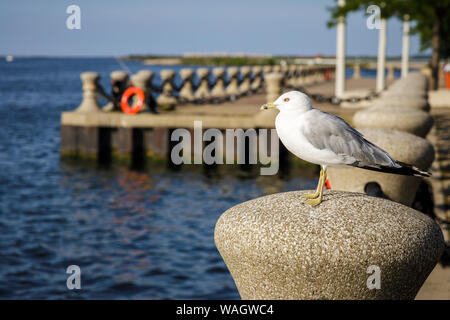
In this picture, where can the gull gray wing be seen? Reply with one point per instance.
(327, 131)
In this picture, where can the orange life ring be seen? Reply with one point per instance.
(126, 96)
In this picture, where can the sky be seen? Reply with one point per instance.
(118, 28)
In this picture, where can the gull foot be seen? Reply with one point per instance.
(310, 195)
(314, 202)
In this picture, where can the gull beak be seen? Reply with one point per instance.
(268, 106)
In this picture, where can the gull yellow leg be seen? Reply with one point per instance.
(315, 194)
(318, 200)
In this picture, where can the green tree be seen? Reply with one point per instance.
(432, 23)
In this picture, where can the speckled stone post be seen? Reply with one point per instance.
(300, 79)
(202, 91)
(277, 247)
(244, 87)
(284, 69)
(218, 91)
(233, 85)
(166, 99)
(186, 92)
(318, 75)
(307, 73)
(143, 79)
(391, 72)
(276, 68)
(292, 80)
(267, 69)
(257, 78)
(411, 120)
(116, 76)
(273, 86)
(402, 146)
(356, 71)
(401, 101)
(89, 102)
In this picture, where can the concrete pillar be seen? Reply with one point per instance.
(273, 86)
(381, 62)
(202, 91)
(405, 46)
(218, 91)
(166, 99)
(186, 93)
(339, 86)
(89, 102)
(119, 79)
(233, 85)
(356, 71)
(244, 87)
(257, 78)
(143, 80)
(351, 246)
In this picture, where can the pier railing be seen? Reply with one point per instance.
(200, 86)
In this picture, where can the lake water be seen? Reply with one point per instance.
(134, 234)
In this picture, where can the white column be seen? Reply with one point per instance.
(339, 86)
(405, 46)
(381, 64)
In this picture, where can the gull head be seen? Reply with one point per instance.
(290, 101)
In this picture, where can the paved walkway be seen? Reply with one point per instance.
(437, 286)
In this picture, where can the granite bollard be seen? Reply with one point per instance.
(391, 72)
(257, 78)
(273, 83)
(277, 247)
(411, 120)
(245, 85)
(267, 69)
(356, 71)
(232, 89)
(186, 92)
(276, 68)
(401, 101)
(218, 91)
(202, 91)
(143, 80)
(300, 79)
(89, 102)
(402, 146)
(166, 99)
(119, 79)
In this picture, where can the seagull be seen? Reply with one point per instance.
(327, 140)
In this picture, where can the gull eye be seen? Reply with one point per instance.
(286, 99)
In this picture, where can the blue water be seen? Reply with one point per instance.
(134, 234)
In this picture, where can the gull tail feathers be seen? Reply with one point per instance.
(402, 169)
